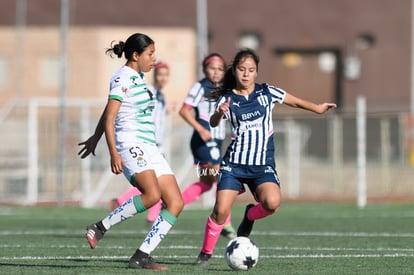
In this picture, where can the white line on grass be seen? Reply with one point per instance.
(290, 256)
(189, 232)
(189, 247)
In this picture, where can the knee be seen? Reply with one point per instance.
(178, 204)
(271, 204)
(152, 197)
(219, 216)
(175, 206)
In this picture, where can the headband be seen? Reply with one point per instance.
(160, 65)
(212, 58)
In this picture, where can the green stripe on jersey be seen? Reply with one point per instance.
(116, 97)
(147, 139)
(141, 115)
(137, 85)
(146, 131)
(146, 122)
(143, 101)
(139, 93)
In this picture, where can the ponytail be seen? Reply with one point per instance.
(137, 42)
(116, 49)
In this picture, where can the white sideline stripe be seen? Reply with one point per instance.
(188, 232)
(291, 256)
(189, 247)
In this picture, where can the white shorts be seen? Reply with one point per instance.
(142, 157)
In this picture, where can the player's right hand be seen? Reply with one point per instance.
(224, 107)
(205, 134)
(89, 147)
(116, 164)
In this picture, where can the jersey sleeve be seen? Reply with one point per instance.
(277, 94)
(118, 87)
(195, 95)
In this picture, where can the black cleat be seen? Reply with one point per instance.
(143, 260)
(93, 235)
(202, 259)
(246, 225)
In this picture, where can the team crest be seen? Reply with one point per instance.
(141, 162)
(215, 153)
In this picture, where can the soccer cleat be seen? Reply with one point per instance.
(93, 235)
(246, 225)
(202, 259)
(228, 232)
(142, 260)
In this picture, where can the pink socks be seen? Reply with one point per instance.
(131, 192)
(193, 191)
(258, 212)
(211, 235)
(154, 211)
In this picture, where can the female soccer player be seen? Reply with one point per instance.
(161, 76)
(249, 159)
(130, 135)
(206, 141)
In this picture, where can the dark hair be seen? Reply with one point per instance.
(229, 81)
(210, 58)
(137, 42)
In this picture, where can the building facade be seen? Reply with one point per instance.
(292, 38)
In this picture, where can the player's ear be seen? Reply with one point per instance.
(135, 56)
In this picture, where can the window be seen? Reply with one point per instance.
(251, 40)
(4, 71)
(50, 76)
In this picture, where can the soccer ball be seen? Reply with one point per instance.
(241, 253)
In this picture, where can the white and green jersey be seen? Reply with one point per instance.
(134, 122)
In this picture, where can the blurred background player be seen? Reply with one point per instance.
(250, 158)
(205, 142)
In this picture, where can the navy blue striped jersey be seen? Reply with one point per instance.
(204, 108)
(252, 126)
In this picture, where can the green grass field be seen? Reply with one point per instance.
(307, 238)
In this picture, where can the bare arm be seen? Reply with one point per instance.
(186, 113)
(296, 102)
(219, 113)
(90, 144)
(112, 109)
(216, 118)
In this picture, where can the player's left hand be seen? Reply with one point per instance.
(325, 107)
